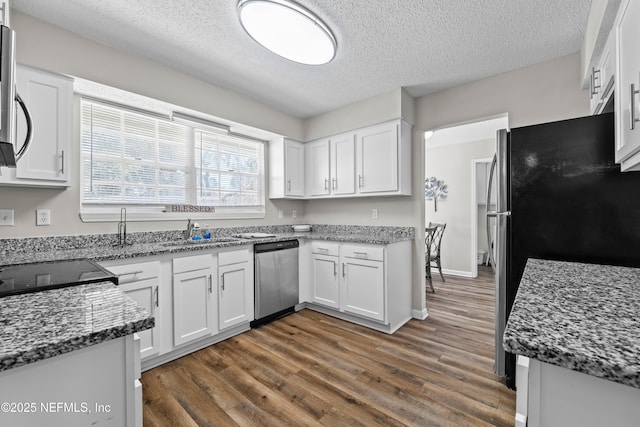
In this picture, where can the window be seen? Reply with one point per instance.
(144, 162)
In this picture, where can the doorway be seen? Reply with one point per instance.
(454, 155)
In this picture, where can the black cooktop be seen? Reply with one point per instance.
(24, 278)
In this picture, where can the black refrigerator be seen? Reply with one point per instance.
(560, 196)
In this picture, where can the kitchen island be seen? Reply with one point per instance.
(579, 325)
(68, 357)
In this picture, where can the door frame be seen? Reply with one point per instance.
(474, 213)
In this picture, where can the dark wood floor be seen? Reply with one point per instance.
(310, 369)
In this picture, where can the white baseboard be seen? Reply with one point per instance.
(454, 272)
(420, 314)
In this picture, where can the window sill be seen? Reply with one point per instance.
(112, 214)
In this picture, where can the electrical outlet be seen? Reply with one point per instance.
(280, 214)
(294, 214)
(6, 216)
(374, 214)
(43, 217)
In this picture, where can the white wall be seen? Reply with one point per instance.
(453, 165)
(45, 46)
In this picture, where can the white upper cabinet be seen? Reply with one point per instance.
(373, 161)
(286, 169)
(602, 77)
(377, 158)
(627, 34)
(49, 98)
(317, 168)
(331, 166)
(343, 165)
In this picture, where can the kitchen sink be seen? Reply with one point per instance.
(201, 242)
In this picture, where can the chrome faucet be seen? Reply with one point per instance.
(122, 228)
(187, 233)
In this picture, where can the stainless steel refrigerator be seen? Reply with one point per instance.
(560, 196)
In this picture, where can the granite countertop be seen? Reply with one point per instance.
(45, 324)
(20, 251)
(583, 317)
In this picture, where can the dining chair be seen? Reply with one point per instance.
(429, 233)
(432, 249)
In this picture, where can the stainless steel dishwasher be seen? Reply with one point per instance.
(276, 280)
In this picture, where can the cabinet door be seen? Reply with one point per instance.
(362, 290)
(294, 166)
(343, 164)
(377, 157)
(146, 293)
(193, 306)
(49, 99)
(318, 173)
(325, 286)
(235, 295)
(628, 81)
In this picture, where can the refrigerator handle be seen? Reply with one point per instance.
(491, 214)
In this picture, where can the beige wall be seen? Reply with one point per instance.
(453, 165)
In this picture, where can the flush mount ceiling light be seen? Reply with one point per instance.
(289, 30)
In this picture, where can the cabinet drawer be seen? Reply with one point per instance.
(325, 248)
(192, 263)
(233, 257)
(374, 253)
(134, 272)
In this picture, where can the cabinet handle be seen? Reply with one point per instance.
(594, 86)
(343, 267)
(210, 284)
(157, 297)
(335, 269)
(222, 279)
(326, 184)
(323, 250)
(334, 185)
(360, 254)
(62, 162)
(632, 107)
(132, 273)
(288, 185)
(360, 181)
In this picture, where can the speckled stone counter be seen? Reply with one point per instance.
(103, 247)
(40, 325)
(583, 317)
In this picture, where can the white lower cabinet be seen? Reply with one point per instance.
(362, 291)
(98, 385)
(325, 281)
(353, 282)
(194, 299)
(141, 282)
(197, 298)
(557, 396)
(235, 288)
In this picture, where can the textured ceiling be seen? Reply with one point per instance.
(422, 45)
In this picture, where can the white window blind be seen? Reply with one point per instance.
(129, 158)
